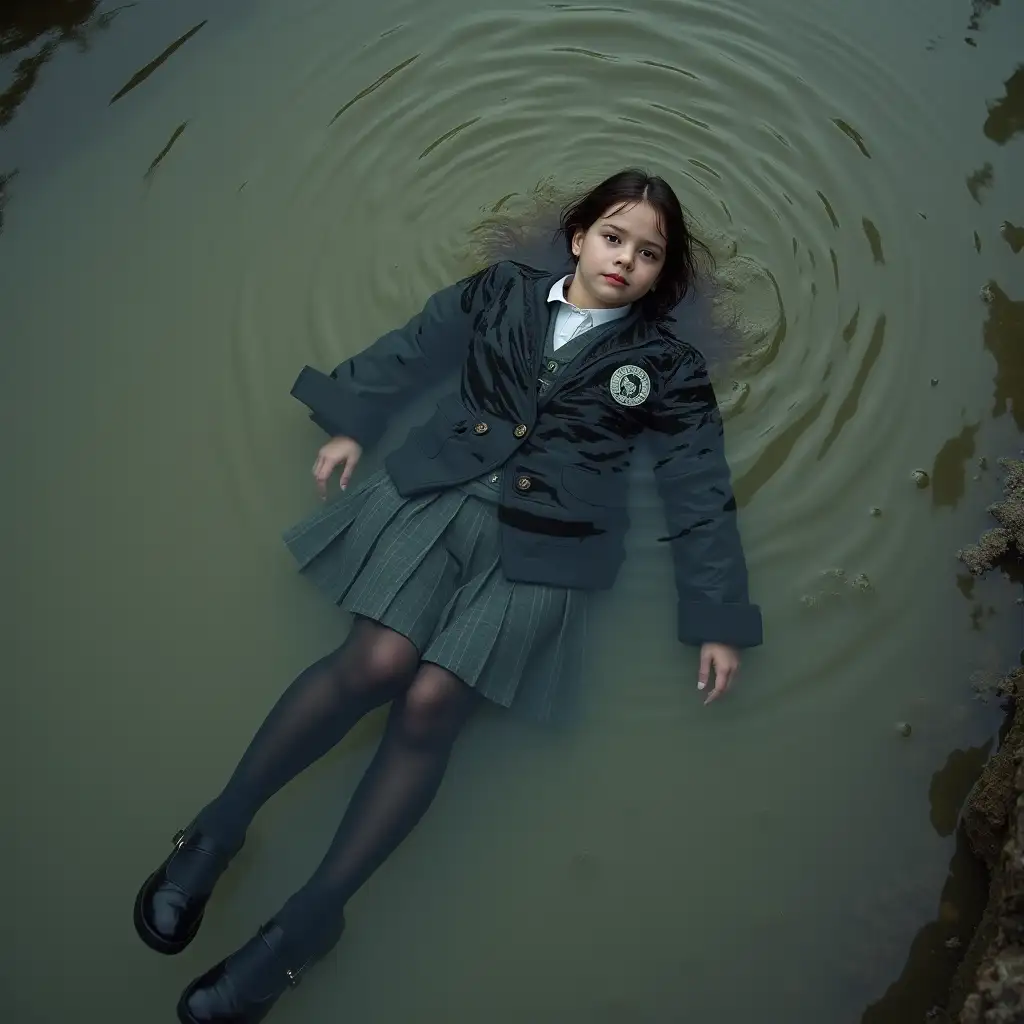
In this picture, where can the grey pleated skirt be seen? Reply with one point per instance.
(430, 569)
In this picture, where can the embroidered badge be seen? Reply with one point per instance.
(630, 385)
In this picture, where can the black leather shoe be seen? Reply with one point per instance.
(168, 913)
(243, 988)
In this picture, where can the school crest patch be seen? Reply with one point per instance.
(630, 385)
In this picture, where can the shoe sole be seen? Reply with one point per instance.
(158, 942)
(184, 1014)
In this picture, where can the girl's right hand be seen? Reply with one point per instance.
(339, 451)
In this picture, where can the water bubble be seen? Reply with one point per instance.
(903, 728)
(921, 478)
(875, 511)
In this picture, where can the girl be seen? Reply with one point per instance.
(467, 560)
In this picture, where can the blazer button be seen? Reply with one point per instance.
(523, 483)
(481, 428)
(552, 366)
(520, 431)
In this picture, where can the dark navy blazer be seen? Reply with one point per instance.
(563, 505)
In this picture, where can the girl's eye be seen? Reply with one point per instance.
(612, 238)
(650, 255)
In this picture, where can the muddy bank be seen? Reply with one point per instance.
(989, 986)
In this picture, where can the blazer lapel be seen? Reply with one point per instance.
(537, 322)
(625, 333)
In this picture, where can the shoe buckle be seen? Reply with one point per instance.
(294, 977)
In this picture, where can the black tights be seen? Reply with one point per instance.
(429, 707)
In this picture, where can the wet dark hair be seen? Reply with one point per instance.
(685, 256)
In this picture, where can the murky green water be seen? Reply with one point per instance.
(181, 234)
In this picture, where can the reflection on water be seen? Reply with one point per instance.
(32, 32)
(938, 946)
(950, 469)
(980, 179)
(1004, 338)
(281, 193)
(5, 182)
(853, 134)
(874, 240)
(175, 135)
(362, 94)
(143, 73)
(848, 409)
(978, 9)
(1006, 115)
(937, 949)
(43, 27)
(952, 784)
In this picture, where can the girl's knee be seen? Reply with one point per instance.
(435, 705)
(375, 659)
(389, 657)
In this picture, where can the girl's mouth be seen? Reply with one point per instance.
(615, 279)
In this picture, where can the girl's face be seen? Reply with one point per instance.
(620, 257)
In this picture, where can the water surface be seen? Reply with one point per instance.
(199, 198)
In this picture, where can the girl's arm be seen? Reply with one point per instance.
(359, 396)
(694, 482)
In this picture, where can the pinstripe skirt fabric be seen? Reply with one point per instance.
(430, 569)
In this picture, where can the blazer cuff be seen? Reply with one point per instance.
(738, 625)
(332, 409)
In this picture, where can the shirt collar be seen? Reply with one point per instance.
(597, 316)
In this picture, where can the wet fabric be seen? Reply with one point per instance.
(566, 459)
(430, 569)
(489, 486)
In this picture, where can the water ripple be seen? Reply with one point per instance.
(376, 85)
(778, 160)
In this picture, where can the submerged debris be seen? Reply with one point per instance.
(921, 478)
(731, 403)
(992, 972)
(841, 584)
(903, 728)
(1012, 235)
(1007, 539)
(989, 685)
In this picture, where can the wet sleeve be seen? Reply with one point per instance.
(357, 399)
(694, 483)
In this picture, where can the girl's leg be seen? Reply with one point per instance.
(393, 795)
(395, 792)
(372, 667)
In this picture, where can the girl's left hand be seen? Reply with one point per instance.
(726, 662)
